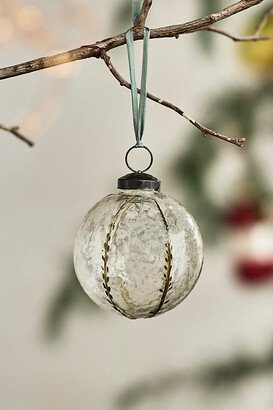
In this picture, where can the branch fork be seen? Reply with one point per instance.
(15, 130)
(100, 49)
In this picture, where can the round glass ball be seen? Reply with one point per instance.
(138, 253)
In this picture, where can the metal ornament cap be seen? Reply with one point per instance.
(139, 180)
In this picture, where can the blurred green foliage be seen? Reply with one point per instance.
(69, 296)
(240, 109)
(210, 378)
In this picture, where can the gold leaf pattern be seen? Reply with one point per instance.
(167, 279)
(105, 257)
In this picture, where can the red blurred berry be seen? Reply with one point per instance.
(244, 214)
(254, 271)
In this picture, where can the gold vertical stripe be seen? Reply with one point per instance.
(167, 279)
(105, 257)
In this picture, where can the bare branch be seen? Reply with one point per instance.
(267, 17)
(95, 50)
(253, 38)
(205, 131)
(147, 4)
(15, 131)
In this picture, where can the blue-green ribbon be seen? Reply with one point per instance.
(136, 9)
(138, 105)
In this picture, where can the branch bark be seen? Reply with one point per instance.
(204, 130)
(100, 49)
(255, 37)
(147, 4)
(15, 131)
(96, 49)
(235, 38)
(264, 21)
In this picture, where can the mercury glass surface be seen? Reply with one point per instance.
(138, 253)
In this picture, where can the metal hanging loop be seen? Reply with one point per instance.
(139, 147)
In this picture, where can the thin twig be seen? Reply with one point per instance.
(205, 131)
(267, 17)
(147, 4)
(253, 38)
(95, 50)
(15, 131)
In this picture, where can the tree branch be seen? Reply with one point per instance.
(147, 4)
(15, 131)
(96, 49)
(264, 21)
(205, 131)
(254, 37)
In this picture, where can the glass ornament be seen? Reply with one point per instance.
(138, 252)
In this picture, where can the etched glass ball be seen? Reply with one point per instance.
(138, 252)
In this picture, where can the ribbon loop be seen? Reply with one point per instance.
(136, 8)
(138, 104)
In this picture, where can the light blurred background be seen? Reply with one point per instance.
(57, 350)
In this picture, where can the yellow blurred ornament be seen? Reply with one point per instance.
(258, 54)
